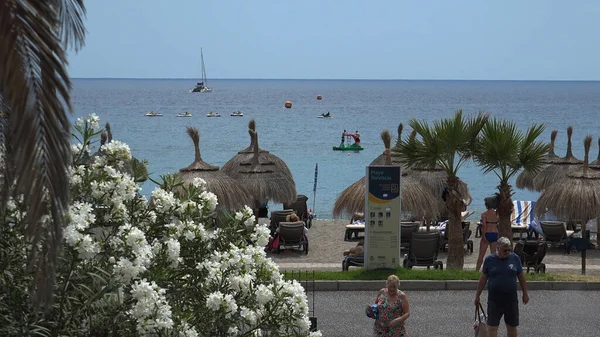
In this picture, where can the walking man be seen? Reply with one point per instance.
(502, 270)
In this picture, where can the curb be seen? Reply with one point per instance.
(425, 285)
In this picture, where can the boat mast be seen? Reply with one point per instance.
(203, 70)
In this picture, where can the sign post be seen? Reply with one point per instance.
(315, 188)
(382, 217)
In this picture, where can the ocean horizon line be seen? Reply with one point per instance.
(330, 79)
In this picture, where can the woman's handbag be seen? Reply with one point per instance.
(480, 325)
(372, 311)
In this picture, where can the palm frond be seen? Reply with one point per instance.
(504, 149)
(36, 93)
(71, 27)
(447, 142)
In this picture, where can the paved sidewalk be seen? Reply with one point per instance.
(566, 268)
(451, 313)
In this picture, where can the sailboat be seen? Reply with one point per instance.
(202, 86)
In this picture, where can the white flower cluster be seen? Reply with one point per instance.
(199, 183)
(209, 199)
(218, 301)
(246, 216)
(80, 148)
(256, 297)
(162, 253)
(151, 310)
(81, 216)
(164, 201)
(188, 230)
(92, 121)
(137, 253)
(116, 153)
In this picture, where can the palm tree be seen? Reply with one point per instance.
(34, 100)
(504, 150)
(447, 143)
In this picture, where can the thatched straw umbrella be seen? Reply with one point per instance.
(558, 168)
(416, 198)
(577, 196)
(396, 160)
(232, 166)
(525, 178)
(596, 163)
(231, 196)
(264, 179)
(134, 167)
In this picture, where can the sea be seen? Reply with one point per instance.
(302, 140)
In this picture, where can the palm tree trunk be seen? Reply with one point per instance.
(456, 257)
(505, 208)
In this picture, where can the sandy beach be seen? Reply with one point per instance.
(326, 246)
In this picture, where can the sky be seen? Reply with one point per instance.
(341, 39)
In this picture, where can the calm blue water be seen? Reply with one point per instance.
(301, 139)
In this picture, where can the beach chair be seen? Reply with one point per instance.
(301, 209)
(531, 254)
(521, 217)
(353, 230)
(277, 217)
(467, 232)
(406, 231)
(349, 261)
(423, 251)
(555, 232)
(291, 234)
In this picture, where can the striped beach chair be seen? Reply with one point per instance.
(522, 216)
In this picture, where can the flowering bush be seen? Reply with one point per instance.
(129, 267)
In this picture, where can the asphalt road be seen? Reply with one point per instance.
(451, 313)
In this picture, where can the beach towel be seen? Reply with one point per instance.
(522, 214)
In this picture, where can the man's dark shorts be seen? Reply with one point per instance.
(508, 309)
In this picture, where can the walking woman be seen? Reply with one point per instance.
(489, 223)
(393, 310)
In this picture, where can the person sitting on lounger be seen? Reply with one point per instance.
(358, 250)
(274, 240)
(294, 218)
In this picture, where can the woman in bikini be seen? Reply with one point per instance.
(489, 222)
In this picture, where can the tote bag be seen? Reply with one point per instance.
(480, 325)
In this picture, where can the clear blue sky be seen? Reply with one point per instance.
(335, 39)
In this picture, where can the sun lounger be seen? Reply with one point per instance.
(356, 261)
(555, 232)
(522, 216)
(531, 254)
(292, 234)
(466, 229)
(353, 230)
(406, 231)
(301, 209)
(423, 251)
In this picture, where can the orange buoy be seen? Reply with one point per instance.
(288, 104)
(319, 97)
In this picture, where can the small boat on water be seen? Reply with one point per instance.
(186, 114)
(213, 114)
(351, 147)
(202, 86)
(153, 114)
(327, 115)
(355, 146)
(237, 114)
